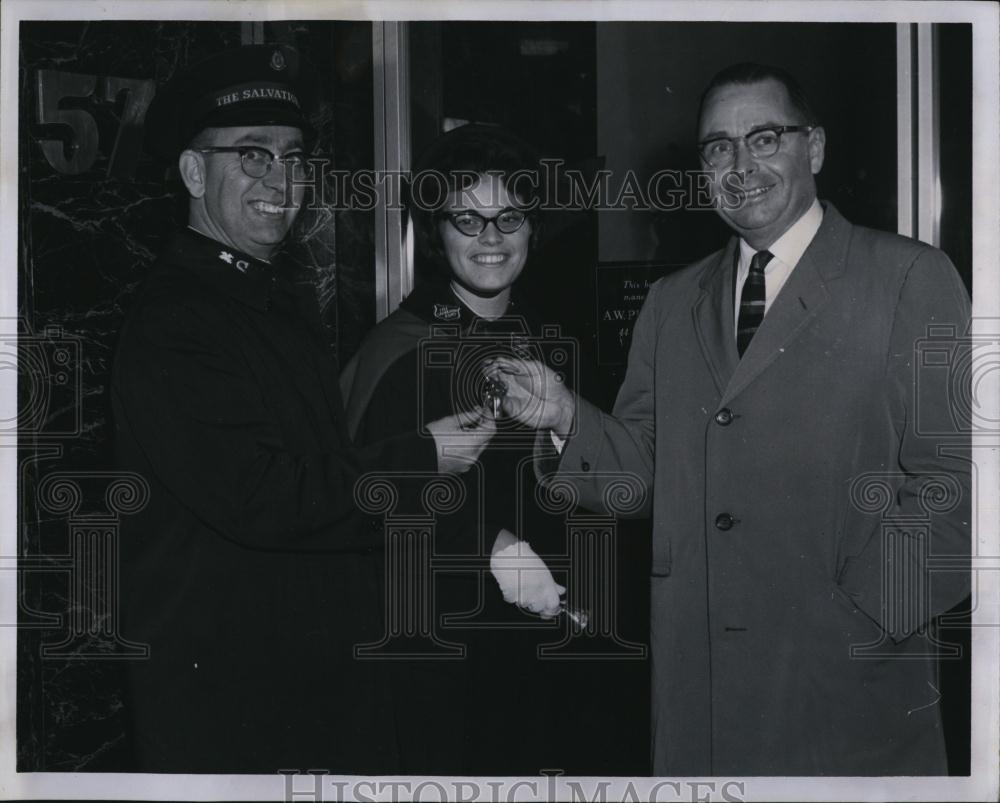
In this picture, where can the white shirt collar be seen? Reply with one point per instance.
(791, 245)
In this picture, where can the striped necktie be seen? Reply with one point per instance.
(752, 301)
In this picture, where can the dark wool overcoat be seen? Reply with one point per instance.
(252, 573)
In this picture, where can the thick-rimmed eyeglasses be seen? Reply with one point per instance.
(761, 142)
(256, 162)
(472, 224)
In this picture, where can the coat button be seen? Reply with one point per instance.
(724, 521)
(724, 417)
(584, 465)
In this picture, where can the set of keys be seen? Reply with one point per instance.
(493, 395)
(577, 616)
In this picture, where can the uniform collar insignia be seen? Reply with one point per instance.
(252, 281)
(240, 264)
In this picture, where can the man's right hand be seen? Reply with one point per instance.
(536, 395)
(461, 438)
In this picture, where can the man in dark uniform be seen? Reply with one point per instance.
(251, 572)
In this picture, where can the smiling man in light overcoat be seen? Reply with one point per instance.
(770, 408)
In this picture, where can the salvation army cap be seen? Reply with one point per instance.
(244, 86)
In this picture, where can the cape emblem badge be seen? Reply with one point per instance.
(447, 312)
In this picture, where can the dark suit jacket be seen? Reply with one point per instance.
(794, 495)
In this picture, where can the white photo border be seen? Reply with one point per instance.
(982, 784)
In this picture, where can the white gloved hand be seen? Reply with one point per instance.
(523, 577)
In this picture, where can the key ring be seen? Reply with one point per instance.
(493, 395)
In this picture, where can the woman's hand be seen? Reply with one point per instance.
(461, 438)
(523, 577)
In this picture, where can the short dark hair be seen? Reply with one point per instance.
(472, 149)
(751, 73)
(203, 138)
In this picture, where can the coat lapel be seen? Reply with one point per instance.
(805, 293)
(713, 317)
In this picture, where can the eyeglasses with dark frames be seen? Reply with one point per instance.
(256, 161)
(472, 224)
(761, 142)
